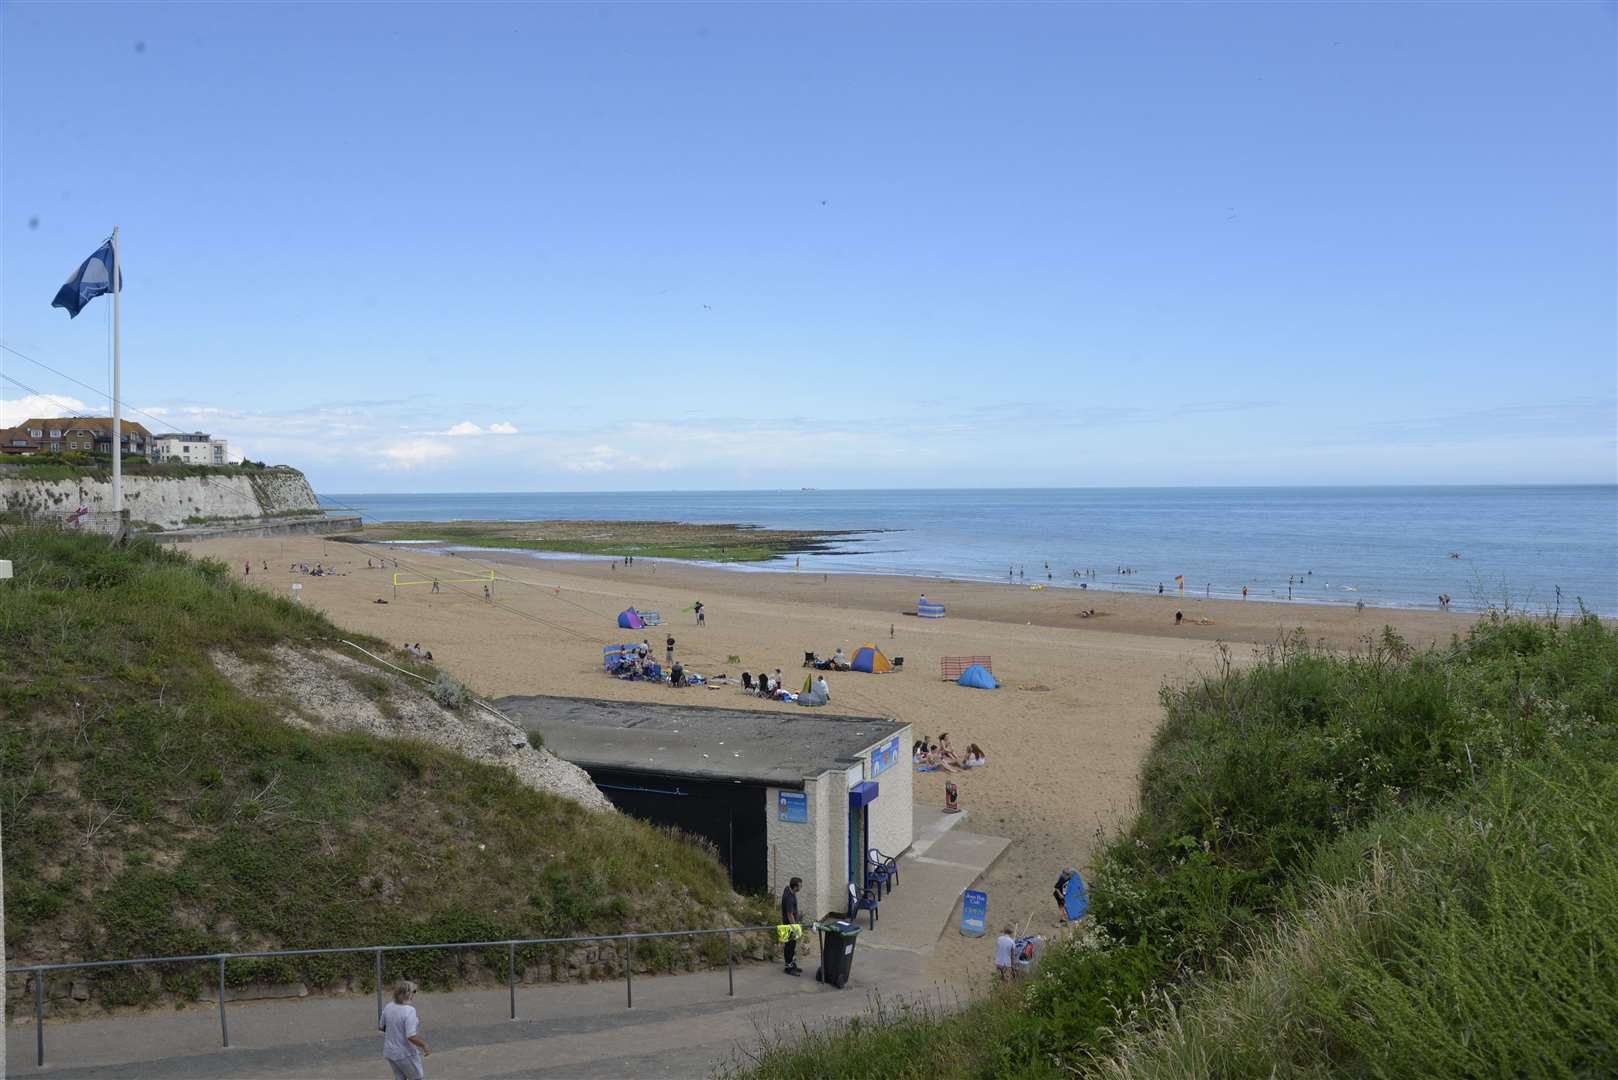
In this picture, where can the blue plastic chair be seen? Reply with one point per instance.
(867, 902)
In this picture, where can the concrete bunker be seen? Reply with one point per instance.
(780, 794)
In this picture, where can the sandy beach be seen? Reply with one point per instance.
(1064, 736)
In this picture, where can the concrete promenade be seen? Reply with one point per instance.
(681, 1025)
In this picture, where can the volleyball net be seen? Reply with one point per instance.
(404, 580)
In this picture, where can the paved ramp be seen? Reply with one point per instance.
(681, 1025)
(943, 862)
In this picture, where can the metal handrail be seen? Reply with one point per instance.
(223, 958)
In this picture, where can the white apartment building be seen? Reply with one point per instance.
(190, 448)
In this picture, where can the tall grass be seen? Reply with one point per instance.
(1476, 939)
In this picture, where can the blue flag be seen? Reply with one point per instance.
(89, 281)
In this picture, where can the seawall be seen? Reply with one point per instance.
(167, 502)
(249, 529)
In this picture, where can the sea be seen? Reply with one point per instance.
(1538, 548)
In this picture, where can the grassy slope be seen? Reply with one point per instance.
(149, 807)
(1410, 859)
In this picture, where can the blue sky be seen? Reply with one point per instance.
(670, 246)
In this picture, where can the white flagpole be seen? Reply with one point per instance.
(117, 405)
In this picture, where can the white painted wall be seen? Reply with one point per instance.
(892, 816)
(817, 850)
(793, 848)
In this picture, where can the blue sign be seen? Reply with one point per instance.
(974, 913)
(793, 806)
(885, 756)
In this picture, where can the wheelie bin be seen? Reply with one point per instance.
(836, 951)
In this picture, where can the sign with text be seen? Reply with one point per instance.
(793, 806)
(974, 913)
(885, 756)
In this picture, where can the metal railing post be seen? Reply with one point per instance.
(629, 974)
(379, 986)
(511, 974)
(224, 1025)
(39, 1015)
(730, 961)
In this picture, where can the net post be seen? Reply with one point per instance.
(379, 986)
(629, 974)
(511, 975)
(730, 961)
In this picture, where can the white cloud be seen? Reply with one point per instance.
(414, 453)
(15, 410)
(603, 458)
(466, 428)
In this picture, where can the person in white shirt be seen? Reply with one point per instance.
(402, 1046)
(822, 691)
(1005, 948)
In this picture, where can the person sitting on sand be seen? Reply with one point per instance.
(974, 757)
(677, 676)
(822, 691)
(918, 752)
(1179, 617)
(945, 749)
(937, 760)
(839, 662)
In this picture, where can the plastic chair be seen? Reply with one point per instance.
(886, 865)
(883, 871)
(866, 901)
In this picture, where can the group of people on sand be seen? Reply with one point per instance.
(380, 564)
(838, 661)
(940, 756)
(774, 688)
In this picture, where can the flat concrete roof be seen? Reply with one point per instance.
(778, 748)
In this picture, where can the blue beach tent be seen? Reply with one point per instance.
(978, 677)
(629, 619)
(930, 609)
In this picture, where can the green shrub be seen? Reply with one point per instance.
(448, 692)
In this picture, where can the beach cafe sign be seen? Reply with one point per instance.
(885, 756)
